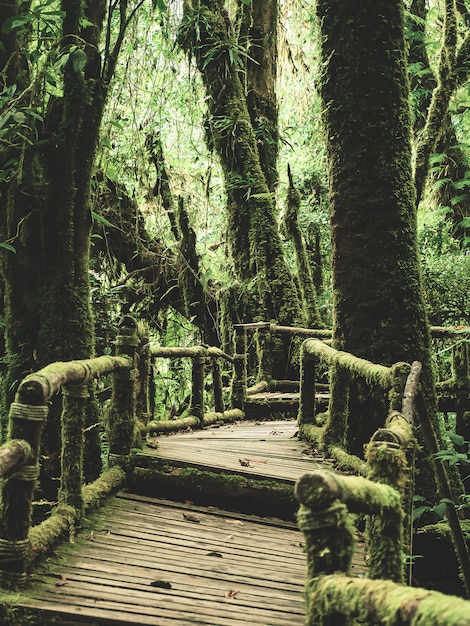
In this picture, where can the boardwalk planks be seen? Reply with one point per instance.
(257, 450)
(156, 562)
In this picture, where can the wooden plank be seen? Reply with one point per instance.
(252, 449)
(101, 575)
(108, 575)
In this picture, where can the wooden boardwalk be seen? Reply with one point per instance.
(256, 449)
(142, 560)
(162, 563)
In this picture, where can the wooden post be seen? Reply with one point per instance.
(324, 521)
(73, 442)
(144, 366)
(336, 427)
(307, 387)
(219, 405)
(27, 416)
(197, 386)
(121, 418)
(264, 348)
(238, 392)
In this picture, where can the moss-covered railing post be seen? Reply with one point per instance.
(336, 428)
(239, 384)
(196, 406)
(307, 386)
(325, 500)
(27, 415)
(121, 417)
(333, 597)
(144, 366)
(73, 441)
(264, 350)
(217, 386)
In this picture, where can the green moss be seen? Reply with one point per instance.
(11, 615)
(338, 599)
(61, 523)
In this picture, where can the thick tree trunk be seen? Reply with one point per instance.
(260, 19)
(379, 310)
(254, 240)
(19, 210)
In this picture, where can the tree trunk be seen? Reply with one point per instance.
(379, 309)
(260, 18)
(254, 240)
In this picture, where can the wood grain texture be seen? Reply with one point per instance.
(255, 449)
(157, 562)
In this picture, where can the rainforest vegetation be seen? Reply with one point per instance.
(200, 163)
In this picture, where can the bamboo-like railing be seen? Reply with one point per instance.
(126, 421)
(333, 596)
(20, 455)
(454, 393)
(196, 416)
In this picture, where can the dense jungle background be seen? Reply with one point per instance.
(201, 163)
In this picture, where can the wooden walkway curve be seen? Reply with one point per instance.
(144, 560)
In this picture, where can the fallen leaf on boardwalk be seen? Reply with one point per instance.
(191, 518)
(214, 554)
(62, 581)
(231, 593)
(244, 463)
(162, 584)
(90, 536)
(276, 432)
(233, 521)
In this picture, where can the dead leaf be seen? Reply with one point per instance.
(90, 536)
(191, 518)
(244, 463)
(213, 553)
(231, 593)
(62, 581)
(233, 521)
(162, 584)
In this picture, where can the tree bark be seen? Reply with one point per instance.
(379, 309)
(255, 244)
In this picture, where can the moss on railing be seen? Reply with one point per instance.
(64, 517)
(339, 599)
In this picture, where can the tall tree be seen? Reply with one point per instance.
(58, 83)
(379, 309)
(258, 33)
(208, 34)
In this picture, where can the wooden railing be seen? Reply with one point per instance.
(128, 418)
(196, 416)
(20, 455)
(333, 596)
(454, 391)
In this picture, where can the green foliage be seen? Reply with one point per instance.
(446, 281)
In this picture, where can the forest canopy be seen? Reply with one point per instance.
(169, 159)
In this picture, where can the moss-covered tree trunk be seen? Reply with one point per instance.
(252, 234)
(379, 309)
(304, 270)
(19, 204)
(259, 35)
